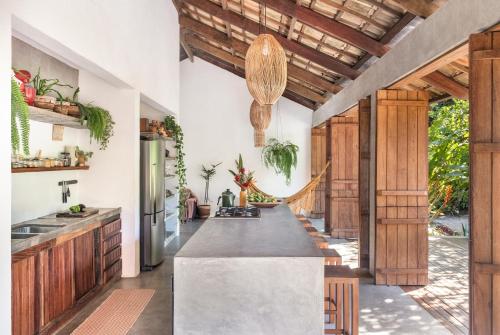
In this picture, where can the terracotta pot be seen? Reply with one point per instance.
(80, 161)
(62, 107)
(203, 211)
(45, 101)
(74, 110)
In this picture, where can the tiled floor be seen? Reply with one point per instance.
(157, 316)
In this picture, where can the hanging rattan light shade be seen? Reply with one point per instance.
(260, 117)
(265, 69)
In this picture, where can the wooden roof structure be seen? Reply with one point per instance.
(326, 41)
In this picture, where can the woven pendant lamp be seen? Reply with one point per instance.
(260, 117)
(265, 69)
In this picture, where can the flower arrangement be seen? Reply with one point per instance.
(242, 177)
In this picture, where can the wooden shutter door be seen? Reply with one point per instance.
(401, 251)
(364, 183)
(484, 211)
(318, 162)
(344, 201)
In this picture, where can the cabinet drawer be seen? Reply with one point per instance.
(114, 270)
(110, 243)
(112, 257)
(111, 229)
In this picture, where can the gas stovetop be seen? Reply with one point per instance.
(238, 212)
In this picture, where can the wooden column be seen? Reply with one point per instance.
(318, 162)
(401, 251)
(485, 182)
(364, 183)
(344, 201)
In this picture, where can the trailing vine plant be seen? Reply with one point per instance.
(19, 111)
(98, 121)
(281, 156)
(176, 130)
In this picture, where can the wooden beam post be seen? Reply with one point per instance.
(444, 83)
(364, 108)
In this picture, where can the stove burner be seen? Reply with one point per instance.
(238, 212)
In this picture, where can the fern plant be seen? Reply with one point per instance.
(19, 111)
(99, 122)
(282, 156)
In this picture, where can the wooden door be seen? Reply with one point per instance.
(484, 211)
(401, 251)
(24, 296)
(85, 270)
(364, 183)
(318, 162)
(57, 280)
(344, 201)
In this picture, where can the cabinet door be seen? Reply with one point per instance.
(58, 281)
(85, 275)
(23, 296)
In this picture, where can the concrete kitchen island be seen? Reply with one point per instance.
(249, 276)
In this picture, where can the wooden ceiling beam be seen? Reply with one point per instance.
(422, 8)
(346, 9)
(327, 26)
(241, 47)
(446, 84)
(290, 45)
(382, 6)
(228, 58)
(459, 67)
(240, 73)
(186, 48)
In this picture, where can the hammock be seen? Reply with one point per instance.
(301, 202)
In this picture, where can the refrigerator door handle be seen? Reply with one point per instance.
(154, 177)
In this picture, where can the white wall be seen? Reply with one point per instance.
(114, 177)
(5, 179)
(215, 119)
(134, 41)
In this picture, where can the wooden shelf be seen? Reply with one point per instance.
(44, 169)
(155, 136)
(49, 116)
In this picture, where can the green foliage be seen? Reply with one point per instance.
(178, 135)
(282, 156)
(449, 156)
(19, 111)
(99, 122)
(207, 174)
(44, 86)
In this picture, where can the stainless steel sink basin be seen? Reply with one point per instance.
(35, 229)
(21, 236)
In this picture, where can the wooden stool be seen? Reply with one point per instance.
(321, 242)
(341, 299)
(332, 257)
(312, 231)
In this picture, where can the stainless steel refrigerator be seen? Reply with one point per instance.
(152, 202)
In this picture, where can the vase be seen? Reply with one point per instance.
(243, 198)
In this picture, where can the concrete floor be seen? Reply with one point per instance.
(384, 310)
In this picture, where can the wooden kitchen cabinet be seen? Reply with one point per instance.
(85, 264)
(57, 280)
(53, 280)
(23, 296)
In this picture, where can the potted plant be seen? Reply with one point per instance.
(206, 174)
(82, 157)
(98, 121)
(43, 87)
(282, 156)
(69, 105)
(243, 178)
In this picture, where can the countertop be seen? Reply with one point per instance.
(68, 225)
(277, 233)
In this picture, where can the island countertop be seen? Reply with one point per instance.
(277, 233)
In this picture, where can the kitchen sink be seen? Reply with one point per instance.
(21, 236)
(35, 229)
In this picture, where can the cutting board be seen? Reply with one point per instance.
(87, 212)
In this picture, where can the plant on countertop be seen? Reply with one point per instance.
(98, 121)
(207, 174)
(242, 177)
(178, 135)
(19, 111)
(282, 156)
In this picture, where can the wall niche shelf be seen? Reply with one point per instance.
(49, 116)
(45, 169)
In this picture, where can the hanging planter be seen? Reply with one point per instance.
(265, 69)
(260, 118)
(282, 156)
